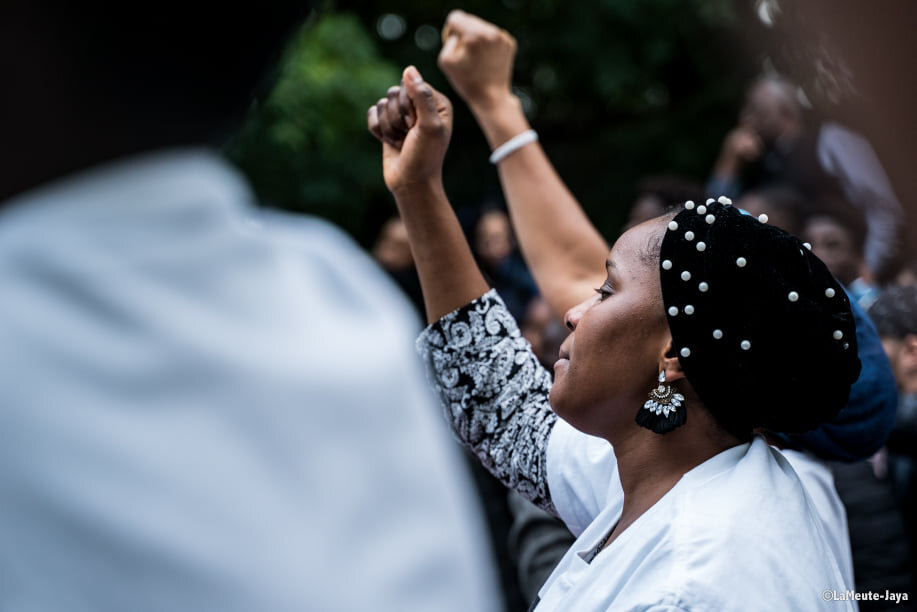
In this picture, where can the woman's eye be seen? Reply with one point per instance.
(604, 291)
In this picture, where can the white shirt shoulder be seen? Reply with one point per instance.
(215, 408)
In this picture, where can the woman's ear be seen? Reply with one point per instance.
(669, 363)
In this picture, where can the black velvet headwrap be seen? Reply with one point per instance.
(763, 332)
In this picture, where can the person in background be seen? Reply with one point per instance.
(659, 194)
(543, 331)
(774, 144)
(392, 251)
(205, 406)
(495, 250)
(895, 316)
(784, 207)
(836, 232)
(878, 529)
(908, 273)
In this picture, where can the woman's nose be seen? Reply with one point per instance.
(571, 319)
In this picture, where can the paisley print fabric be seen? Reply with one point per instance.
(494, 392)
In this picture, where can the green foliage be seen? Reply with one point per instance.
(617, 89)
(306, 147)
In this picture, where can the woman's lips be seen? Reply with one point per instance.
(563, 357)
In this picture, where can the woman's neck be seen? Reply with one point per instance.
(650, 464)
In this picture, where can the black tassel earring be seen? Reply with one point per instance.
(664, 410)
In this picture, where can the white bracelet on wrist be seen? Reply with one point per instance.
(513, 144)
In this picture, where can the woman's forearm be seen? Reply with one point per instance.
(449, 275)
(561, 246)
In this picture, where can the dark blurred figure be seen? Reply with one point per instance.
(496, 252)
(656, 195)
(908, 273)
(774, 144)
(784, 207)
(204, 406)
(393, 252)
(836, 231)
(543, 331)
(878, 534)
(895, 316)
(537, 542)
(854, 64)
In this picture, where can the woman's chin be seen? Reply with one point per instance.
(557, 397)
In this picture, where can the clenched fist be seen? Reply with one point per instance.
(414, 124)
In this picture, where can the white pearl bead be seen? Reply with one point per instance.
(829, 292)
(701, 210)
(745, 345)
(762, 218)
(838, 334)
(673, 310)
(701, 246)
(717, 333)
(741, 262)
(724, 200)
(709, 219)
(807, 245)
(666, 265)
(689, 205)
(685, 352)
(689, 235)
(689, 310)
(685, 276)
(793, 296)
(673, 225)
(702, 287)
(710, 201)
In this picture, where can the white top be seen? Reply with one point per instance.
(716, 541)
(209, 408)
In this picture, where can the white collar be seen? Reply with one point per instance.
(719, 463)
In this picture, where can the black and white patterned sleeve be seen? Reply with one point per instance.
(494, 392)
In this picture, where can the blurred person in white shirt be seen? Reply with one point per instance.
(204, 406)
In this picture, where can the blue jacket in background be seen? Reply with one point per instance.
(864, 424)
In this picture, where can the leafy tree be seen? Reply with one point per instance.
(617, 89)
(305, 147)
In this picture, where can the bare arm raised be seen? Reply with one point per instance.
(563, 249)
(493, 390)
(412, 163)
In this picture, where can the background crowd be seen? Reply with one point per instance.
(801, 113)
